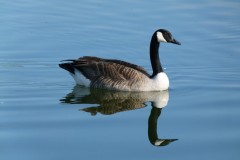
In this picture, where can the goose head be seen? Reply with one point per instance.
(163, 35)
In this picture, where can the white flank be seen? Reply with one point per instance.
(80, 79)
(159, 83)
(160, 37)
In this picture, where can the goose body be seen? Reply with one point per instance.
(120, 75)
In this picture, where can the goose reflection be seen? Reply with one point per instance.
(111, 102)
(152, 128)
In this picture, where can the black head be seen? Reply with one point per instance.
(164, 35)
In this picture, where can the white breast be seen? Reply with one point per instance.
(160, 82)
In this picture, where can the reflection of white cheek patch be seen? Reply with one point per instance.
(158, 142)
(160, 37)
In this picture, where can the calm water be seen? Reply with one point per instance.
(43, 115)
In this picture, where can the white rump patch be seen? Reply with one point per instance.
(160, 37)
(80, 79)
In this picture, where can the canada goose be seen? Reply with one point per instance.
(119, 75)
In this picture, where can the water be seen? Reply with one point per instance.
(43, 115)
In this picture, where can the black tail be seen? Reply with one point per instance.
(67, 66)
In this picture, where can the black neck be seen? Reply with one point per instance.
(154, 56)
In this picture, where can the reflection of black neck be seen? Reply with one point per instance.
(152, 124)
(152, 128)
(154, 56)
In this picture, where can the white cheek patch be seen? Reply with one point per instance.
(160, 37)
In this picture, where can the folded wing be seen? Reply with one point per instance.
(110, 74)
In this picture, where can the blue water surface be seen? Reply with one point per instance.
(43, 115)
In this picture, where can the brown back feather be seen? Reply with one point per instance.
(93, 67)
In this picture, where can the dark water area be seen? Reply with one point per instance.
(44, 115)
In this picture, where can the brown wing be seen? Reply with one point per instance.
(92, 67)
(107, 73)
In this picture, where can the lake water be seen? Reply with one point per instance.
(44, 116)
